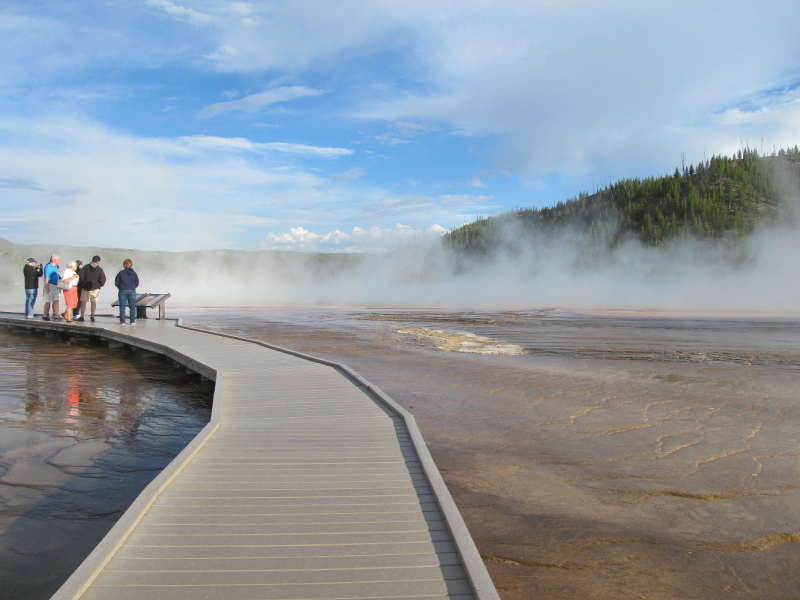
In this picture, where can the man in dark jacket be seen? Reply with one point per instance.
(91, 278)
(32, 273)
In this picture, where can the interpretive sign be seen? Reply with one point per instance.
(148, 300)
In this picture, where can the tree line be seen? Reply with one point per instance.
(722, 196)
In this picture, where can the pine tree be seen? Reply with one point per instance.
(722, 195)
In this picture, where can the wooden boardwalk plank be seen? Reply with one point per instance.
(308, 591)
(307, 484)
(425, 547)
(160, 577)
(427, 559)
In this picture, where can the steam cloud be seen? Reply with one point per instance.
(760, 272)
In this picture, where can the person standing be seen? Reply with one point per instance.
(70, 278)
(51, 290)
(92, 278)
(32, 273)
(76, 312)
(127, 281)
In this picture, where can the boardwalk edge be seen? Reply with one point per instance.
(482, 583)
(83, 577)
(80, 580)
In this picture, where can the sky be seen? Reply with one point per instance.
(356, 125)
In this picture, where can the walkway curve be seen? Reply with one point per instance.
(291, 437)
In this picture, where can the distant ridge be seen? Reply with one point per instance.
(718, 197)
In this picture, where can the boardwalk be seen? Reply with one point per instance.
(307, 483)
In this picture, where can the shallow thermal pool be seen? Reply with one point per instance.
(611, 456)
(83, 429)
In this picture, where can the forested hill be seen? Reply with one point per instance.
(717, 197)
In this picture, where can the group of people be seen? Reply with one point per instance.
(80, 285)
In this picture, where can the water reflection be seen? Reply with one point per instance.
(82, 430)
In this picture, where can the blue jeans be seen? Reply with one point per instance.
(30, 300)
(127, 297)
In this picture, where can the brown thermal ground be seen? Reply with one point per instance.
(617, 458)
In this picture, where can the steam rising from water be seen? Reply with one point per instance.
(760, 272)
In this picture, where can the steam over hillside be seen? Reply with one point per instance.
(719, 197)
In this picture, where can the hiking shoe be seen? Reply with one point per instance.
(45, 318)
(80, 319)
(92, 319)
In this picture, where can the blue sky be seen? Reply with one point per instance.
(351, 125)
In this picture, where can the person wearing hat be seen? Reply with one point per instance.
(32, 273)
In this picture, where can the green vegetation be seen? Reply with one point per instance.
(718, 197)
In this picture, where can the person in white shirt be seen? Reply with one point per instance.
(70, 295)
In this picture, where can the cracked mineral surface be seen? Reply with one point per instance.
(615, 457)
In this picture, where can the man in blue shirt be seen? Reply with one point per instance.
(51, 291)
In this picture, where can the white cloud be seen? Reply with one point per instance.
(403, 132)
(182, 193)
(566, 86)
(223, 52)
(777, 114)
(475, 182)
(181, 12)
(372, 239)
(447, 205)
(238, 143)
(349, 175)
(185, 192)
(256, 101)
(736, 116)
(307, 150)
(595, 96)
(464, 198)
(211, 141)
